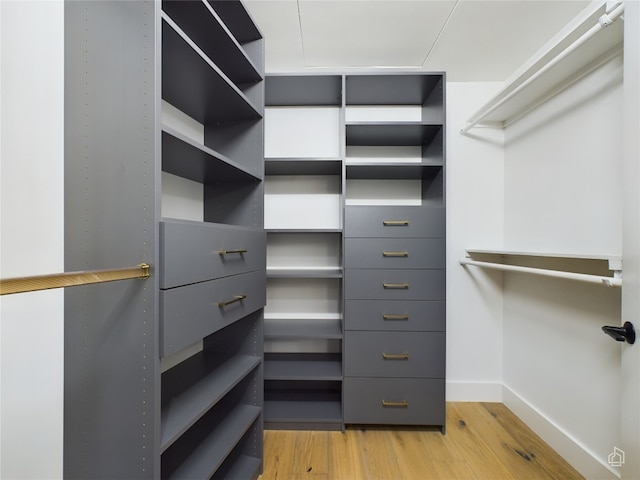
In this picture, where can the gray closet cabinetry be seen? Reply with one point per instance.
(139, 403)
(303, 327)
(395, 273)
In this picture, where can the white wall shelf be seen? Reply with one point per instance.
(598, 269)
(585, 44)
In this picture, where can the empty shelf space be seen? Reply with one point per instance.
(191, 388)
(303, 90)
(188, 159)
(393, 89)
(303, 366)
(303, 166)
(209, 444)
(298, 327)
(210, 97)
(203, 25)
(320, 410)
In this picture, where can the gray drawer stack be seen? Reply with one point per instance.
(395, 272)
(394, 320)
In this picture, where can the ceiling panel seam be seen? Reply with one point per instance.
(444, 26)
(304, 52)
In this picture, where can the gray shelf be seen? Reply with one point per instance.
(191, 388)
(392, 171)
(303, 409)
(303, 230)
(303, 166)
(208, 31)
(214, 440)
(393, 89)
(236, 17)
(390, 133)
(210, 96)
(243, 466)
(304, 273)
(303, 90)
(303, 366)
(307, 328)
(188, 159)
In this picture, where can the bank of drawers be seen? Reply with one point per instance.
(212, 275)
(395, 318)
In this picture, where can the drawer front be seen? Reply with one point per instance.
(395, 253)
(400, 401)
(361, 284)
(383, 221)
(395, 354)
(197, 252)
(190, 313)
(396, 315)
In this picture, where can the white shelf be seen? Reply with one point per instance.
(602, 269)
(570, 55)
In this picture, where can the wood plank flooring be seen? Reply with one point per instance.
(484, 441)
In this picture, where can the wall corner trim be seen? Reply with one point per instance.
(580, 458)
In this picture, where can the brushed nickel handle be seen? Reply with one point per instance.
(395, 223)
(395, 285)
(395, 356)
(235, 299)
(395, 316)
(229, 252)
(403, 404)
(395, 254)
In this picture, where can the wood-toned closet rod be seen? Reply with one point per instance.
(71, 279)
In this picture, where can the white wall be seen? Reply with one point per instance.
(474, 189)
(563, 194)
(31, 237)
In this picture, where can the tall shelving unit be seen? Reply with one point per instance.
(165, 380)
(355, 210)
(303, 218)
(394, 231)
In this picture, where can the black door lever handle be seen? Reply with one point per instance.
(626, 333)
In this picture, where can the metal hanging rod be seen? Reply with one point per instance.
(583, 277)
(71, 279)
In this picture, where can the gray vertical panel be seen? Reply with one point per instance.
(111, 412)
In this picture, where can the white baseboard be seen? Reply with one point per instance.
(474, 392)
(584, 461)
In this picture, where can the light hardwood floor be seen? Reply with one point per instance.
(483, 441)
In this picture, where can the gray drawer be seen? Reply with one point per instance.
(404, 221)
(395, 354)
(395, 284)
(193, 252)
(396, 315)
(406, 401)
(190, 313)
(395, 253)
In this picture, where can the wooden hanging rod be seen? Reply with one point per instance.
(70, 279)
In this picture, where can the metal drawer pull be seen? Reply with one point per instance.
(402, 404)
(395, 316)
(395, 285)
(229, 252)
(395, 223)
(237, 298)
(395, 356)
(395, 254)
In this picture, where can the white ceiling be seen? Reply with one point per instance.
(472, 40)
